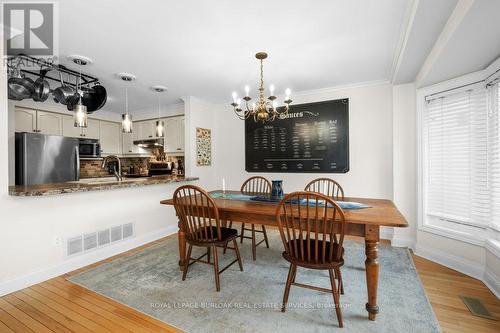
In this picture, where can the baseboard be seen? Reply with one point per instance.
(386, 233)
(492, 281)
(7, 287)
(403, 242)
(460, 264)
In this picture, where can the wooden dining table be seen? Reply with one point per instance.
(365, 222)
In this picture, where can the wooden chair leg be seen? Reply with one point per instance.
(230, 224)
(237, 250)
(225, 249)
(265, 236)
(188, 259)
(242, 233)
(287, 287)
(216, 268)
(208, 254)
(336, 298)
(339, 278)
(254, 247)
(294, 273)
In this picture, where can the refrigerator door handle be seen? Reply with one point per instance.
(77, 163)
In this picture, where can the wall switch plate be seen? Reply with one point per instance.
(57, 240)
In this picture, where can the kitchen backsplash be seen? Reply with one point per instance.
(92, 168)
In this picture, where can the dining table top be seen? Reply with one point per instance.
(382, 212)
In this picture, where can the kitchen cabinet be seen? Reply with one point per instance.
(90, 132)
(174, 135)
(49, 123)
(109, 137)
(69, 128)
(25, 120)
(145, 129)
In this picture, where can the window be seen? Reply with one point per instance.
(455, 163)
(494, 153)
(461, 159)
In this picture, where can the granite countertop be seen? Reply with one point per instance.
(93, 184)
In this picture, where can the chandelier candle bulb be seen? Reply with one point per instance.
(271, 89)
(247, 91)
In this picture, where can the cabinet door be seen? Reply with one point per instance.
(69, 129)
(128, 146)
(92, 130)
(109, 137)
(171, 135)
(49, 123)
(145, 129)
(180, 148)
(25, 120)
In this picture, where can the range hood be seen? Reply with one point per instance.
(149, 143)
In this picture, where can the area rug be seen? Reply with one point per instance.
(249, 301)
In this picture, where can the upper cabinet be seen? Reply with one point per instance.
(110, 134)
(29, 120)
(174, 135)
(92, 129)
(145, 129)
(49, 123)
(25, 120)
(90, 132)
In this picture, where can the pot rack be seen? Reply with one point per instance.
(44, 66)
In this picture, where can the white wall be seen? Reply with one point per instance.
(199, 113)
(370, 143)
(405, 161)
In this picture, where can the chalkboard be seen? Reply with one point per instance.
(314, 138)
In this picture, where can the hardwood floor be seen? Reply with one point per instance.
(60, 306)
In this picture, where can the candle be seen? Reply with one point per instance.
(271, 89)
(287, 93)
(234, 96)
(223, 185)
(247, 90)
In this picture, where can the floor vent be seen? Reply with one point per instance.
(93, 240)
(476, 307)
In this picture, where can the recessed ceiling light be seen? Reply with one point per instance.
(80, 60)
(126, 76)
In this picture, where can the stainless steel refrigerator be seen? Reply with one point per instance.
(43, 159)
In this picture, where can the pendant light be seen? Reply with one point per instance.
(80, 114)
(126, 118)
(160, 126)
(127, 124)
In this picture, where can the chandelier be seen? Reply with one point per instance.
(264, 110)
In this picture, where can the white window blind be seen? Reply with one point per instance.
(494, 154)
(456, 158)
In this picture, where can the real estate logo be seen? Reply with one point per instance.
(30, 28)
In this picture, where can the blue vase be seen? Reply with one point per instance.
(277, 189)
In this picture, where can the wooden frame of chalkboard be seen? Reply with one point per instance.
(313, 138)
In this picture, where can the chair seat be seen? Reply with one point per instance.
(308, 260)
(226, 235)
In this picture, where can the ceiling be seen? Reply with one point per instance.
(473, 44)
(206, 48)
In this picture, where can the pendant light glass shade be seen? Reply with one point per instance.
(80, 115)
(126, 118)
(160, 129)
(127, 123)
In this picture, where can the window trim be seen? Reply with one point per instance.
(465, 232)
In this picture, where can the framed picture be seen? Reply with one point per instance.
(203, 146)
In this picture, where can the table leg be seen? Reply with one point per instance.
(182, 246)
(372, 269)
